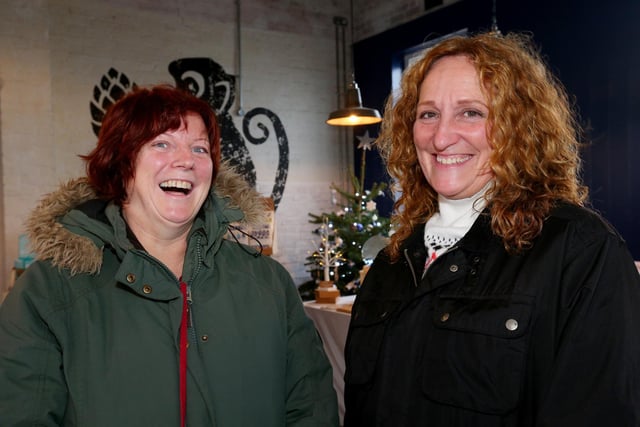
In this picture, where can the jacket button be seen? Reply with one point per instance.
(453, 268)
(511, 324)
(444, 317)
(205, 338)
(131, 278)
(147, 289)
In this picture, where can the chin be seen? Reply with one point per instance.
(180, 219)
(453, 194)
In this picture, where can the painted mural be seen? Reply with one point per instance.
(207, 79)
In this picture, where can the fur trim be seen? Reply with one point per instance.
(230, 184)
(51, 240)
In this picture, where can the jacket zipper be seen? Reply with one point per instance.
(189, 309)
(190, 324)
(413, 272)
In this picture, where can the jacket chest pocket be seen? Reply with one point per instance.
(476, 351)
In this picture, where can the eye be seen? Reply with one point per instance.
(473, 114)
(427, 115)
(159, 144)
(200, 149)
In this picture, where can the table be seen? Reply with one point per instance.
(332, 325)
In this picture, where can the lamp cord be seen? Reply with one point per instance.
(494, 19)
(353, 65)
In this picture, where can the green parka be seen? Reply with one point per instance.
(89, 334)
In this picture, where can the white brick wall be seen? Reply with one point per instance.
(55, 51)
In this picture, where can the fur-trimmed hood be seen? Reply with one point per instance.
(51, 240)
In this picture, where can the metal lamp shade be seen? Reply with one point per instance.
(354, 114)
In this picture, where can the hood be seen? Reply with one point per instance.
(49, 239)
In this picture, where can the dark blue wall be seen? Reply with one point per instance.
(593, 47)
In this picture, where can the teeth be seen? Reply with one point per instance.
(452, 160)
(174, 183)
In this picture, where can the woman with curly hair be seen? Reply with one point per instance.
(501, 300)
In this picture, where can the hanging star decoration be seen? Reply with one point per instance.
(366, 141)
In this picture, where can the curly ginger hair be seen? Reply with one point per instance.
(531, 127)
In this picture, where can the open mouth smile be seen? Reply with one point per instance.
(452, 160)
(176, 186)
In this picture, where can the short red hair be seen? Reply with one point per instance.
(134, 120)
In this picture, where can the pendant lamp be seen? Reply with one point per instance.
(352, 113)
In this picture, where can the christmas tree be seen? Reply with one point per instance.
(347, 229)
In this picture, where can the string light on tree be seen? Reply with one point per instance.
(354, 222)
(328, 258)
(328, 255)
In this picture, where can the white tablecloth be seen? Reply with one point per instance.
(332, 325)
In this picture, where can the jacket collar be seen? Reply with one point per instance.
(473, 247)
(232, 199)
(474, 241)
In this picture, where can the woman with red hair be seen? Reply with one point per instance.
(138, 310)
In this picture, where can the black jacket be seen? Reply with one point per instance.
(550, 337)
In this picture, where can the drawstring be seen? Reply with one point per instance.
(183, 354)
(255, 239)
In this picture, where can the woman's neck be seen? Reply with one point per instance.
(461, 211)
(168, 245)
(170, 253)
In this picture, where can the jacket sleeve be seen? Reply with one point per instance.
(32, 386)
(311, 398)
(596, 373)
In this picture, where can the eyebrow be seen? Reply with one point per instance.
(460, 102)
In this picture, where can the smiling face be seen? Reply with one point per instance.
(172, 179)
(449, 132)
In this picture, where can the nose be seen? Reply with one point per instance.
(445, 133)
(184, 158)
